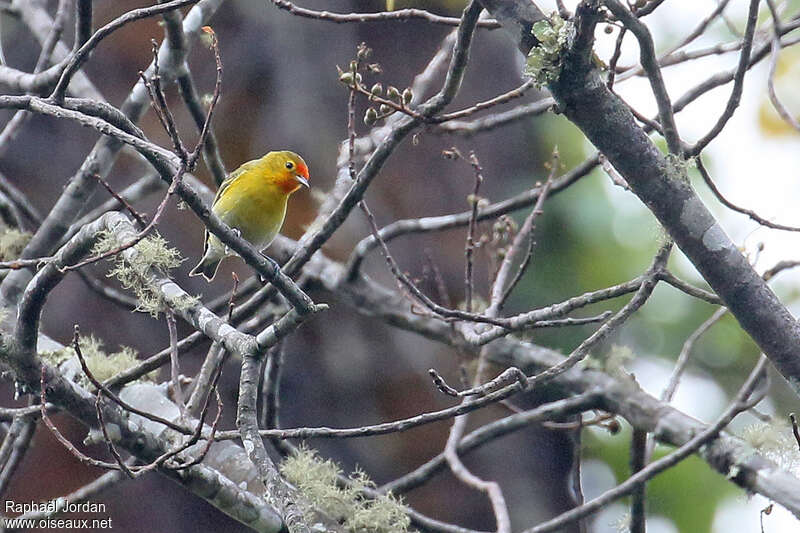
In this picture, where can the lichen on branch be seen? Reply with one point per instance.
(543, 63)
(133, 270)
(318, 480)
(103, 365)
(12, 242)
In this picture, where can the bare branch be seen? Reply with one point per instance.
(386, 16)
(500, 289)
(368, 172)
(730, 205)
(650, 65)
(738, 82)
(656, 467)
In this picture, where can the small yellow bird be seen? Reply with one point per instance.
(252, 201)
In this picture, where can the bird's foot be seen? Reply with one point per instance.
(272, 262)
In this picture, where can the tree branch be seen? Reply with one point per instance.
(661, 184)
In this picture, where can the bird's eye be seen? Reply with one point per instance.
(289, 165)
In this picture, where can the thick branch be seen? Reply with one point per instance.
(728, 455)
(662, 185)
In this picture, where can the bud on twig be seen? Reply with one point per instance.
(346, 78)
(370, 117)
(363, 52)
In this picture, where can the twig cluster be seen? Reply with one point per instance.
(253, 331)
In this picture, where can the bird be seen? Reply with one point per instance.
(252, 201)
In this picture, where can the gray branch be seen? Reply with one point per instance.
(661, 183)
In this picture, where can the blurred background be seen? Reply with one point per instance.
(281, 91)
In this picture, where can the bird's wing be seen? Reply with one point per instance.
(233, 176)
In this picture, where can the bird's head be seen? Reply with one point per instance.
(287, 170)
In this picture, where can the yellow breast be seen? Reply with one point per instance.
(253, 206)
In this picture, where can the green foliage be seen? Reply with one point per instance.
(317, 480)
(134, 272)
(12, 242)
(543, 64)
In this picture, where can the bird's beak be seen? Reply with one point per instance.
(302, 181)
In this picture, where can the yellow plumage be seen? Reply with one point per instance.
(252, 200)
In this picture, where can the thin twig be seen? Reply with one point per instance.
(490, 488)
(456, 220)
(110, 443)
(765, 511)
(507, 377)
(500, 290)
(730, 205)
(482, 106)
(738, 82)
(651, 67)
(85, 459)
(159, 104)
(469, 247)
(113, 397)
(141, 219)
(638, 495)
(575, 468)
(76, 59)
(232, 299)
(670, 56)
(384, 16)
(214, 362)
(686, 350)
(687, 288)
(612, 63)
(642, 294)
(211, 153)
(385, 428)
(616, 177)
(495, 120)
(438, 279)
(490, 432)
(176, 179)
(773, 64)
(738, 405)
(188, 160)
(452, 83)
(18, 264)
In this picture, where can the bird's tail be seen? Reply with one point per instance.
(207, 267)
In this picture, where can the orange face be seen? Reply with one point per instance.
(291, 169)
